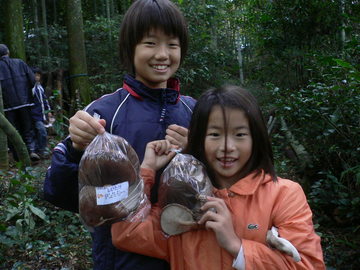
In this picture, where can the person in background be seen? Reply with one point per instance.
(153, 42)
(40, 114)
(228, 135)
(17, 79)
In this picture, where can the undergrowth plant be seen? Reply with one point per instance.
(35, 232)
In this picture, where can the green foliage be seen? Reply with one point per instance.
(324, 116)
(60, 126)
(345, 241)
(104, 67)
(211, 58)
(334, 200)
(32, 231)
(21, 210)
(34, 48)
(284, 33)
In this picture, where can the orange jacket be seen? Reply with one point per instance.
(256, 205)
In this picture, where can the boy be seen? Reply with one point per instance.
(153, 43)
(39, 111)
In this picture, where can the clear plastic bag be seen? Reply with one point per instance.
(184, 185)
(110, 188)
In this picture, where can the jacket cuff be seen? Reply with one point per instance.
(239, 261)
(148, 174)
(74, 155)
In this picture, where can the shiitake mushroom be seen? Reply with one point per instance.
(185, 182)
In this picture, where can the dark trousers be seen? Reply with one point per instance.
(40, 137)
(21, 120)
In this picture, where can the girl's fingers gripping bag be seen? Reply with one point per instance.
(110, 188)
(184, 185)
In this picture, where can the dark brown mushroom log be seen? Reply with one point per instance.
(113, 163)
(93, 214)
(110, 188)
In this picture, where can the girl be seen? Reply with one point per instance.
(228, 134)
(153, 42)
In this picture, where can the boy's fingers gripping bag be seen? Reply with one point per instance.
(184, 186)
(110, 188)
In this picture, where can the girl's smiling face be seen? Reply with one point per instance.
(157, 58)
(228, 144)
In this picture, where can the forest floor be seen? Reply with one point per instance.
(341, 245)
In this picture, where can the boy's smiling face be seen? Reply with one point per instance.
(157, 58)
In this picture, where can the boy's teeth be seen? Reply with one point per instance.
(160, 67)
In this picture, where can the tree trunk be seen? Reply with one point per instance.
(55, 12)
(4, 158)
(79, 80)
(304, 159)
(15, 139)
(95, 8)
(14, 35)
(241, 66)
(343, 25)
(108, 15)
(36, 24)
(45, 31)
(239, 45)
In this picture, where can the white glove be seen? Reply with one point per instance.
(273, 239)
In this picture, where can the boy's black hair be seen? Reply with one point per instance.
(234, 97)
(36, 70)
(145, 15)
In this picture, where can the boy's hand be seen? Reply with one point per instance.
(157, 154)
(83, 129)
(218, 218)
(177, 135)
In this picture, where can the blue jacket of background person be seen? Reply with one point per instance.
(16, 80)
(41, 103)
(139, 115)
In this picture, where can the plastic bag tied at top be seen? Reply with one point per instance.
(110, 188)
(185, 181)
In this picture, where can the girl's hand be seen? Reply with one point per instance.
(177, 135)
(83, 129)
(218, 218)
(157, 154)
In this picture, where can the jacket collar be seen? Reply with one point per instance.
(171, 94)
(247, 185)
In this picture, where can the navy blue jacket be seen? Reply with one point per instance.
(16, 80)
(140, 115)
(41, 103)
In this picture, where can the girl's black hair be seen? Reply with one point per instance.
(234, 97)
(143, 16)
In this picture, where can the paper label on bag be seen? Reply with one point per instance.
(112, 194)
